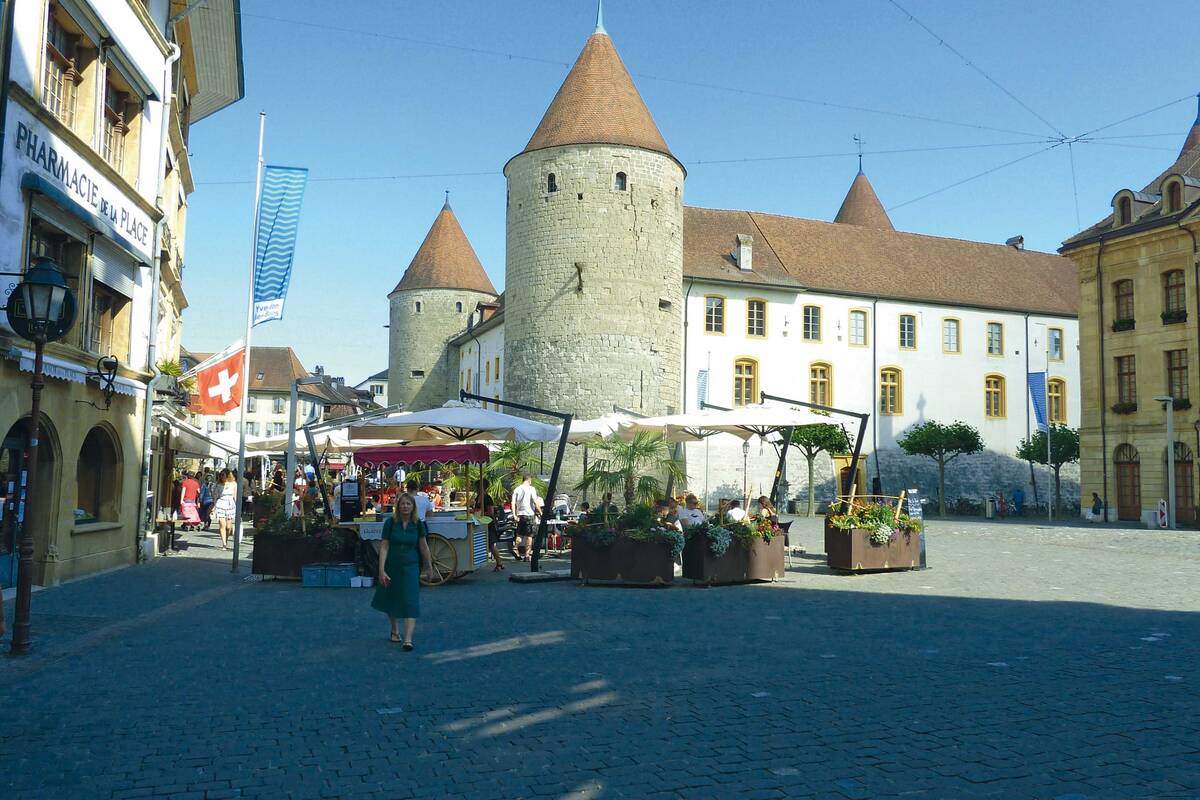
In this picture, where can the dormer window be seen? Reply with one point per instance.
(551, 183)
(1174, 197)
(620, 183)
(1124, 211)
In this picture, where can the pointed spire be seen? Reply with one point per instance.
(862, 207)
(446, 260)
(859, 141)
(1192, 142)
(599, 18)
(598, 104)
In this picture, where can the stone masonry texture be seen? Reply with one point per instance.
(420, 341)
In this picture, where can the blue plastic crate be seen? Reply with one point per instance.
(313, 575)
(339, 575)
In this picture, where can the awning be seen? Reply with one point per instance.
(217, 46)
(188, 440)
(424, 453)
(36, 183)
(69, 371)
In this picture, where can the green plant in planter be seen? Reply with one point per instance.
(599, 535)
(637, 516)
(670, 536)
(880, 521)
(719, 540)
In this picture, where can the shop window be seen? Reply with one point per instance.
(820, 384)
(620, 183)
(756, 318)
(810, 330)
(97, 479)
(858, 328)
(108, 322)
(714, 314)
(745, 382)
(69, 253)
(995, 339)
(1055, 344)
(908, 332)
(1056, 396)
(891, 398)
(993, 397)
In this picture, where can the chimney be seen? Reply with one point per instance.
(1016, 242)
(744, 254)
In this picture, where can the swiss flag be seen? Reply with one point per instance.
(220, 385)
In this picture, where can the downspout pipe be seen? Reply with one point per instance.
(878, 487)
(1103, 382)
(156, 277)
(6, 53)
(1028, 429)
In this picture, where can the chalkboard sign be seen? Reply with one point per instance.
(912, 507)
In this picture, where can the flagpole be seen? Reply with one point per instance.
(243, 481)
(1051, 497)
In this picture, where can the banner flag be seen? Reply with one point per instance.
(219, 386)
(1037, 393)
(214, 358)
(278, 224)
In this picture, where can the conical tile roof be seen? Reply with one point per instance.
(862, 207)
(446, 260)
(598, 104)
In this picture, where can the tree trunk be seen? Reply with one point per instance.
(812, 493)
(629, 487)
(1057, 491)
(941, 487)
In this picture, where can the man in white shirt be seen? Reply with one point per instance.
(735, 513)
(524, 509)
(421, 499)
(693, 514)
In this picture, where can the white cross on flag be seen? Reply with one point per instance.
(219, 386)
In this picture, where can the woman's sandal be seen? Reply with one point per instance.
(396, 638)
(407, 646)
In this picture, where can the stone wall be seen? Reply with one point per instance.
(420, 341)
(593, 301)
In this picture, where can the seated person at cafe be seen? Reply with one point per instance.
(767, 509)
(584, 509)
(662, 513)
(692, 514)
(605, 504)
(735, 513)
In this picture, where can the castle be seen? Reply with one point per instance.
(618, 295)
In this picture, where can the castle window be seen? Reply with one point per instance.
(891, 399)
(908, 332)
(756, 318)
(418, 373)
(620, 183)
(551, 183)
(858, 328)
(487, 373)
(995, 339)
(810, 330)
(1055, 344)
(993, 397)
(745, 382)
(1124, 211)
(497, 370)
(1174, 197)
(951, 343)
(714, 314)
(1056, 393)
(458, 307)
(417, 306)
(820, 384)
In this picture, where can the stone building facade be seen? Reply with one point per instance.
(1140, 339)
(616, 294)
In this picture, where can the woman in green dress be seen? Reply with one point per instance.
(398, 591)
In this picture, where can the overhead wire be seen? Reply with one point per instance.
(976, 176)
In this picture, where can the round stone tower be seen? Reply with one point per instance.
(429, 307)
(594, 270)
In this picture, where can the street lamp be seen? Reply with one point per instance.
(745, 472)
(1169, 406)
(41, 309)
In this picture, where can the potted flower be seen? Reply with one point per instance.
(285, 544)
(631, 550)
(733, 552)
(871, 536)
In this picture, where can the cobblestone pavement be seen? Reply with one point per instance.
(1029, 662)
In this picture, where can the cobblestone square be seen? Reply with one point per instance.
(1029, 662)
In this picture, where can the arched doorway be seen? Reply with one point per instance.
(1129, 482)
(1185, 495)
(13, 481)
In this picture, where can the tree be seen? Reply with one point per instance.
(812, 440)
(1064, 449)
(942, 443)
(503, 472)
(625, 466)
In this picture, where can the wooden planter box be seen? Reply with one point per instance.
(739, 564)
(624, 561)
(283, 555)
(264, 507)
(852, 551)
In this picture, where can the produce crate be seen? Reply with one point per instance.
(338, 575)
(313, 575)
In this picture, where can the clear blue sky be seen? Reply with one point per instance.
(721, 79)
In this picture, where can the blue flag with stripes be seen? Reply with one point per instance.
(278, 224)
(1037, 392)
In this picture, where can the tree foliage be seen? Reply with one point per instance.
(631, 467)
(943, 443)
(1064, 449)
(812, 440)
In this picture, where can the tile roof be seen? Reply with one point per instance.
(862, 206)
(446, 260)
(830, 257)
(278, 366)
(598, 104)
(1146, 207)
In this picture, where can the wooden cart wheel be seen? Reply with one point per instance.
(444, 560)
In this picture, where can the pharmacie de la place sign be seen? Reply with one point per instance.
(55, 161)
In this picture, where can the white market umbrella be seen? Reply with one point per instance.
(335, 441)
(589, 431)
(455, 422)
(691, 427)
(763, 420)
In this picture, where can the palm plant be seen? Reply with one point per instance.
(627, 467)
(503, 471)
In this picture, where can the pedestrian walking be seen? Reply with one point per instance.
(524, 508)
(208, 498)
(491, 511)
(189, 501)
(402, 551)
(1096, 514)
(226, 507)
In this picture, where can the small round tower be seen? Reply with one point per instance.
(430, 306)
(594, 268)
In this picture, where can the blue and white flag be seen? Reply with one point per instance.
(1037, 393)
(278, 224)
